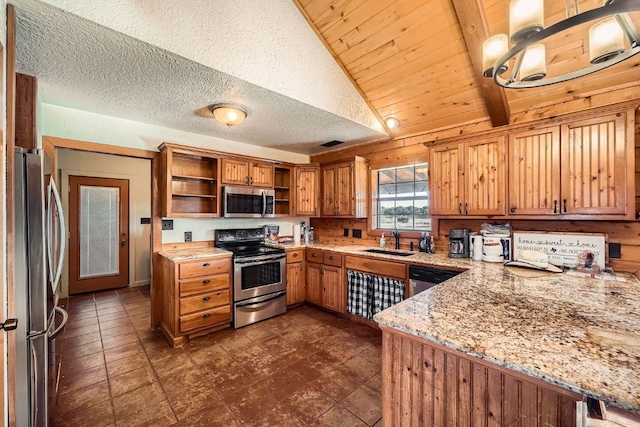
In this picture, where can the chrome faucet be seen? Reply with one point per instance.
(396, 234)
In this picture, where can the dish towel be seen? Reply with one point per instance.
(368, 294)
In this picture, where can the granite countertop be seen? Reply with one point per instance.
(578, 333)
(196, 253)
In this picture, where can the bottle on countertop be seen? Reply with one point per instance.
(383, 243)
(310, 233)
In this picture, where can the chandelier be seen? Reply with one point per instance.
(608, 39)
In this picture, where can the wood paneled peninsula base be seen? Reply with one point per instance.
(491, 347)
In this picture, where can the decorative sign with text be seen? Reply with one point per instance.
(562, 248)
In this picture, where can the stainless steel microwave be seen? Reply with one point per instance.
(241, 202)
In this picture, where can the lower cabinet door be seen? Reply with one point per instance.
(314, 285)
(295, 283)
(332, 287)
(205, 318)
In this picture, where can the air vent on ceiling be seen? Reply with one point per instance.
(332, 143)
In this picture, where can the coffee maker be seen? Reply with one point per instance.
(459, 243)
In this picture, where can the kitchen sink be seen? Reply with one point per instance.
(388, 252)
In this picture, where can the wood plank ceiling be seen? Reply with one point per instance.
(410, 60)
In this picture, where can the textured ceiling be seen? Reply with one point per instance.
(83, 65)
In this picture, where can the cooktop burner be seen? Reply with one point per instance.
(244, 243)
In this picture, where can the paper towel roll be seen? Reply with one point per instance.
(296, 234)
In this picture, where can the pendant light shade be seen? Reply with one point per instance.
(526, 17)
(228, 115)
(534, 63)
(492, 49)
(606, 40)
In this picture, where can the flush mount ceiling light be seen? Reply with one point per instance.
(392, 123)
(607, 41)
(228, 115)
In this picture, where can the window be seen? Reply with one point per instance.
(402, 198)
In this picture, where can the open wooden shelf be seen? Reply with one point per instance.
(282, 186)
(197, 178)
(206, 196)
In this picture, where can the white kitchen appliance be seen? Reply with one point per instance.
(496, 248)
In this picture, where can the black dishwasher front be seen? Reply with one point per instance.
(422, 278)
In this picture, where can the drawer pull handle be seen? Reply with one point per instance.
(206, 298)
(204, 316)
(331, 257)
(313, 255)
(205, 281)
(294, 255)
(206, 264)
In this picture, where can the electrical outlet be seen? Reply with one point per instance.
(345, 232)
(167, 224)
(146, 220)
(187, 236)
(356, 233)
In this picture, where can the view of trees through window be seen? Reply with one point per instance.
(403, 198)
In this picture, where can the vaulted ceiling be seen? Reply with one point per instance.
(419, 60)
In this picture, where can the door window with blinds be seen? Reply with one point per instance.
(401, 198)
(99, 230)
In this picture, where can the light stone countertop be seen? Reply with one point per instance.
(578, 333)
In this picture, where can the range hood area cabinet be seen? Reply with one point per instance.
(468, 178)
(247, 173)
(577, 168)
(344, 189)
(190, 183)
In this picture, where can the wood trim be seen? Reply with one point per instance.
(185, 149)
(396, 270)
(475, 31)
(186, 245)
(156, 242)
(10, 215)
(96, 147)
(26, 96)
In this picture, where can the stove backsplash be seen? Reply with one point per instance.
(202, 229)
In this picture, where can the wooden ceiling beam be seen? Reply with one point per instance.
(475, 31)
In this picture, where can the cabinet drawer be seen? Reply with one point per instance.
(295, 256)
(204, 267)
(204, 284)
(314, 255)
(204, 301)
(205, 318)
(332, 258)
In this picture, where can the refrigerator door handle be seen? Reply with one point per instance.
(65, 318)
(55, 277)
(34, 384)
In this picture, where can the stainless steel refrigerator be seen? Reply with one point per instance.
(40, 239)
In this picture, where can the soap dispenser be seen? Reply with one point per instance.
(383, 243)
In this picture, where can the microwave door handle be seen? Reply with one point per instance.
(264, 203)
(63, 235)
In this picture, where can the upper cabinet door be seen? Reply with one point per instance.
(344, 189)
(446, 180)
(484, 163)
(534, 172)
(594, 166)
(235, 172)
(307, 191)
(261, 175)
(329, 207)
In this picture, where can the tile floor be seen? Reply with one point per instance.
(306, 367)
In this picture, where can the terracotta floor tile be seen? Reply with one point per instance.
(311, 367)
(235, 342)
(173, 365)
(83, 398)
(99, 415)
(372, 354)
(375, 383)
(112, 316)
(156, 354)
(119, 341)
(117, 331)
(284, 383)
(126, 364)
(192, 397)
(133, 401)
(117, 323)
(229, 379)
(81, 330)
(338, 416)
(81, 350)
(258, 334)
(131, 380)
(360, 368)
(364, 403)
(147, 333)
(89, 361)
(337, 384)
(81, 339)
(212, 354)
(81, 379)
(123, 351)
(280, 416)
(157, 415)
(74, 323)
(309, 403)
(250, 403)
(218, 415)
(108, 302)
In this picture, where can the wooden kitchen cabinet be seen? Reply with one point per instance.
(196, 297)
(325, 281)
(307, 199)
(344, 189)
(190, 182)
(296, 283)
(468, 178)
(246, 173)
(282, 184)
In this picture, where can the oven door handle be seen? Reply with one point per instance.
(258, 304)
(259, 261)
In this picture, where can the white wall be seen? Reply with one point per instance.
(138, 172)
(85, 126)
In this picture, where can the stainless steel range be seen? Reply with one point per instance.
(259, 283)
